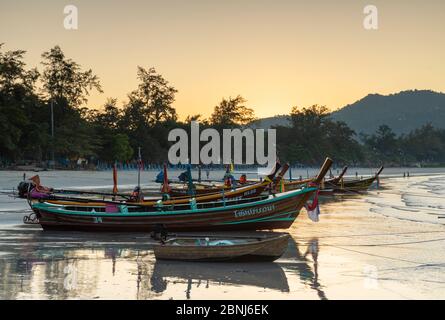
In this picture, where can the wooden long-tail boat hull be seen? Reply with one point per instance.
(294, 185)
(273, 212)
(297, 184)
(353, 185)
(337, 185)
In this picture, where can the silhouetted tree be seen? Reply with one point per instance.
(383, 143)
(231, 112)
(153, 98)
(21, 133)
(120, 148)
(425, 145)
(67, 86)
(115, 132)
(63, 79)
(195, 117)
(110, 117)
(313, 136)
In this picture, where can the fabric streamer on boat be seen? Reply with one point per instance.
(313, 209)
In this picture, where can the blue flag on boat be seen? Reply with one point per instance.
(160, 177)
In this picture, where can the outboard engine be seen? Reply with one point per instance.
(137, 195)
(183, 176)
(23, 188)
(159, 233)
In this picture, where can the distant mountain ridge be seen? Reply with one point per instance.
(265, 123)
(402, 112)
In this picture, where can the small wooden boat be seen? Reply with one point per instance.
(222, 249)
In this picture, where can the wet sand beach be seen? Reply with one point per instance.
(386, 244)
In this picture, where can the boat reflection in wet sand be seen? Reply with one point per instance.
(273, 276)
(300, 263)
(207, 274)
(212, 248)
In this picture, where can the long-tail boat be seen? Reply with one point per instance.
(203, 189)
(337, 184)
(197, 189)
(259, 213)
(354, 185)
(296, 184)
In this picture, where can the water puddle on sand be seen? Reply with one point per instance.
(417, 199)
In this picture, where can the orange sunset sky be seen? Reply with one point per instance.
(276, 54)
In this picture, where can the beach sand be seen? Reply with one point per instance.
(386, 244)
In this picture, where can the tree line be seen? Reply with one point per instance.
(114, 132)
(313, 134)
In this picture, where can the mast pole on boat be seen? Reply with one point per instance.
(53, 163)
(139, 167)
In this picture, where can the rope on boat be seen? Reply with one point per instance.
(390, 244)
(377, 234)
(376, 255)
(31, 219)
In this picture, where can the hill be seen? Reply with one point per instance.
(266, 123)
(403, 111)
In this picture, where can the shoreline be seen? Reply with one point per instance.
(34, 168)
